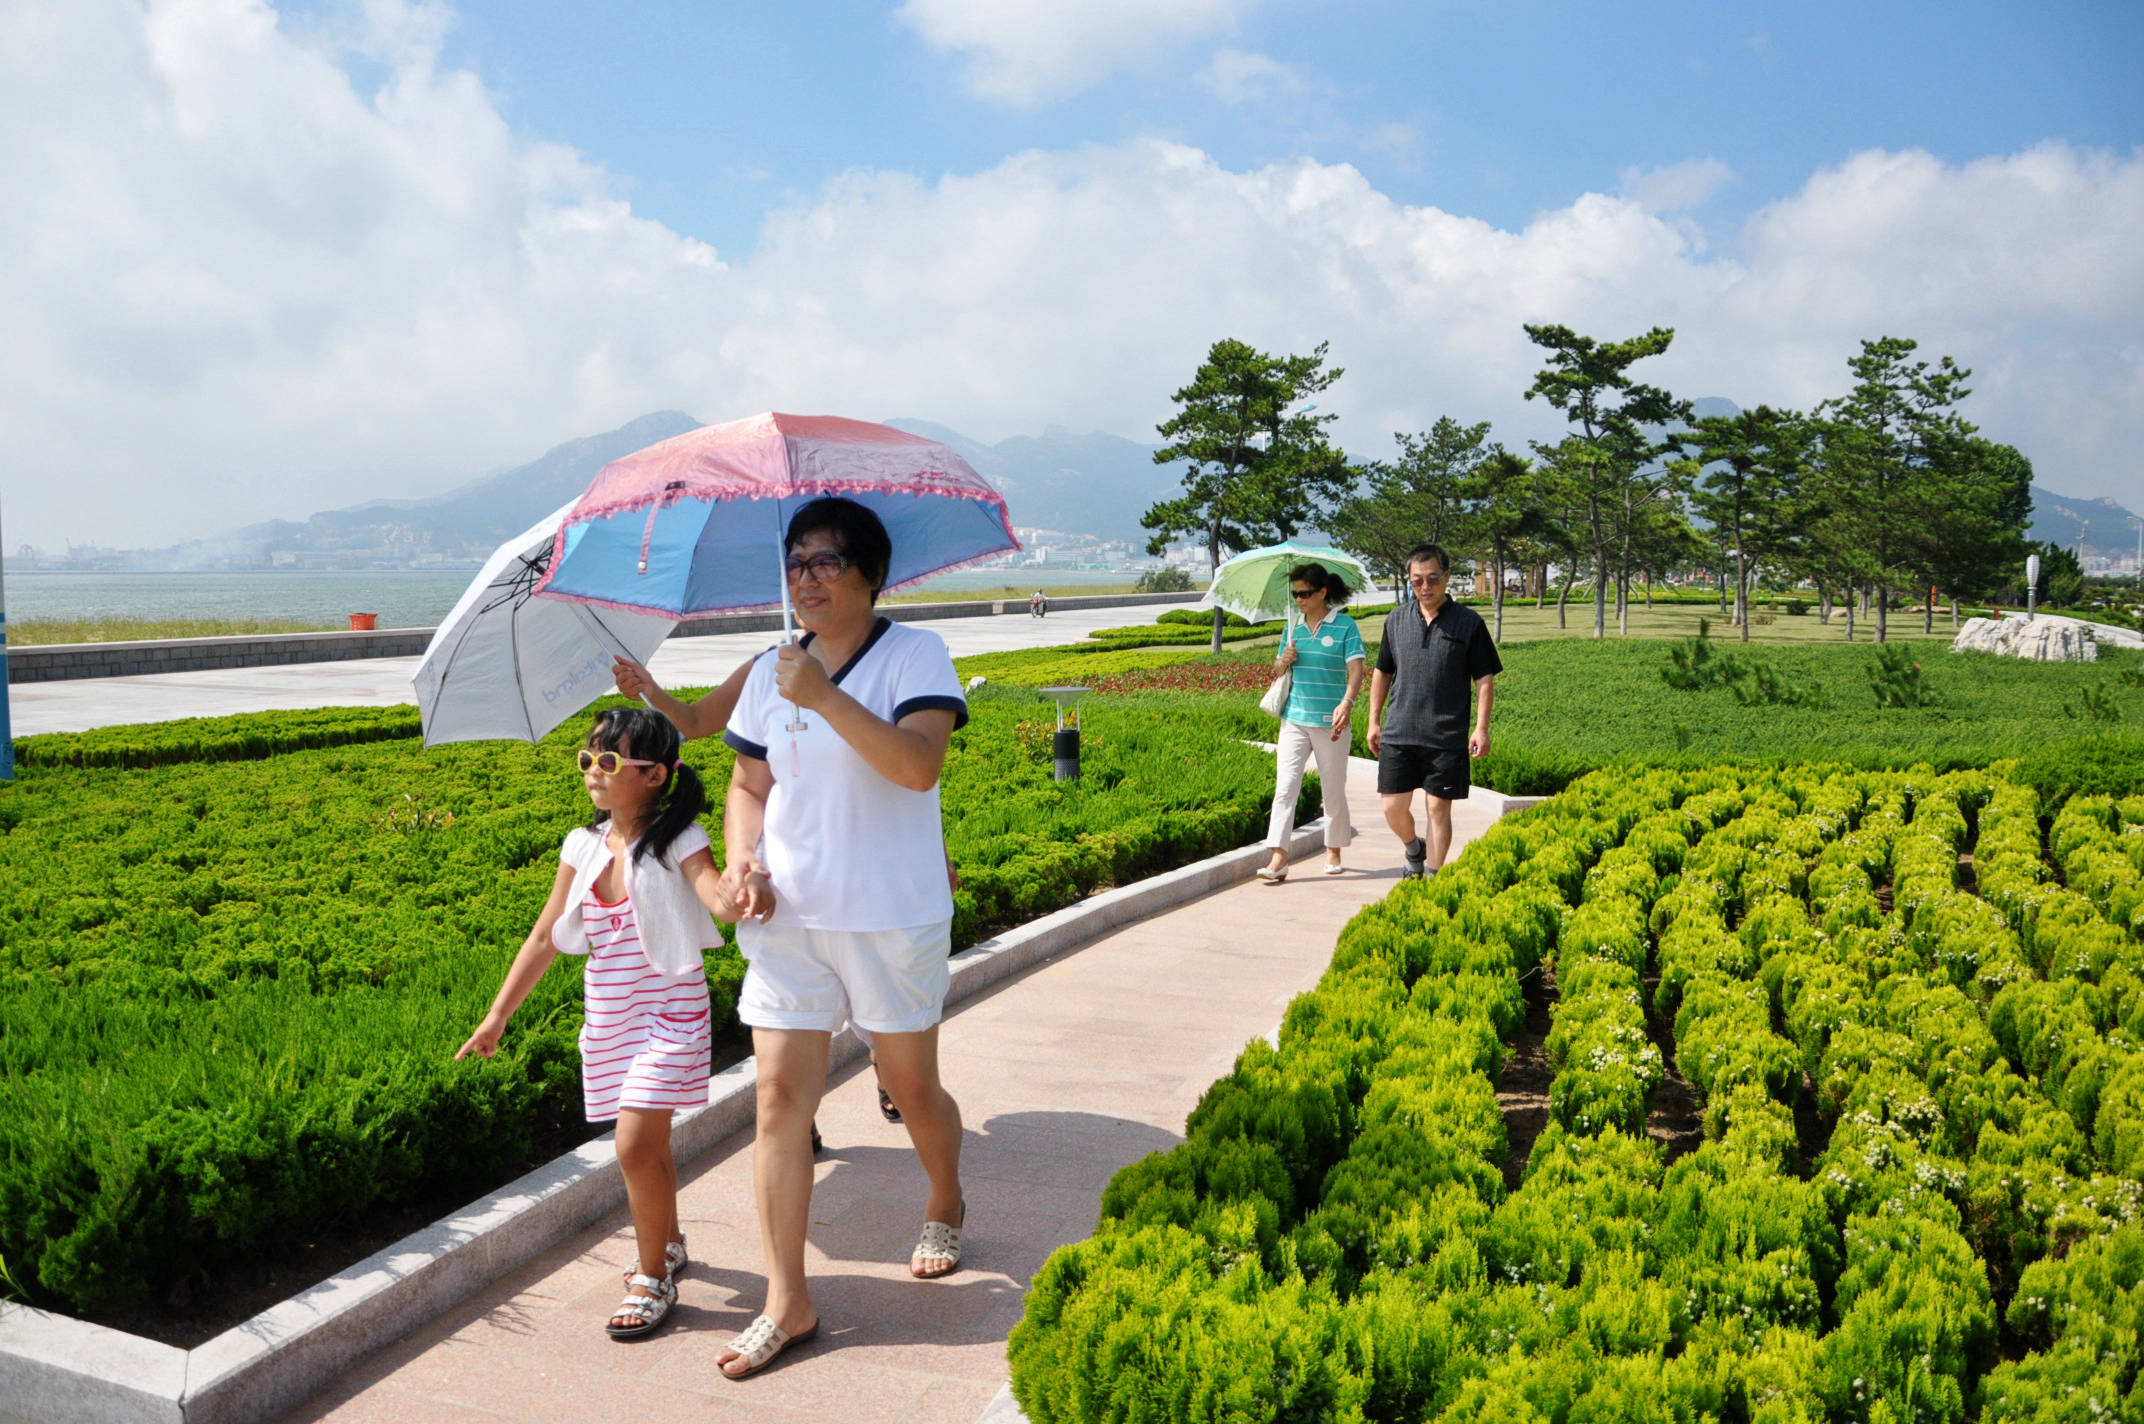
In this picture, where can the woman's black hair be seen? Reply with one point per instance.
(648, 735)
(1319, 576)
(858, 532)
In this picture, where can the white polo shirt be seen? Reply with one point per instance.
(846, 848)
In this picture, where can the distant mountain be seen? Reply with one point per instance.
(461, 527)
(1084, 484)
(2106, 527)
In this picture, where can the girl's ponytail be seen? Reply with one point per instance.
(684, 798)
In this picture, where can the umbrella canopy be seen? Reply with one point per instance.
(695, 524)
(1254, 584)
(506, 664)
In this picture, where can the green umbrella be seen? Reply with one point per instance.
(1254, 584)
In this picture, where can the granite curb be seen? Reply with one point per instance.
(56, 1370)
(58, 662)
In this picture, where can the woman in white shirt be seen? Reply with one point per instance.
(836, 858)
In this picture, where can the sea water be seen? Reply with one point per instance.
(403, 598)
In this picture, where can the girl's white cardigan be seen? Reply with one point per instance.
(674, 926)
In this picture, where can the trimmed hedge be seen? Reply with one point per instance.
(1296, 1258)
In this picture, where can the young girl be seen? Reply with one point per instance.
(634, 890)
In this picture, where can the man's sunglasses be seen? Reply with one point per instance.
(607, 762)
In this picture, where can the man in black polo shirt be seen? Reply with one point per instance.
(1434, 651)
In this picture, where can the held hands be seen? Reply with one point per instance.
(1478, 744)
(800, 678)
(1287, 657)
(484, 1042)
(1342, 714)
(633, 679)
(748, 891)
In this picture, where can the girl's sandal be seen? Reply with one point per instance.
(646, 1312)
(759, 1343)
(886, 1108)
(674, 1259)
(939, 1242)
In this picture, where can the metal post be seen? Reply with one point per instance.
(2032, 584)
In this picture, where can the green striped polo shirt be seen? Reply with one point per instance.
(1321, 660)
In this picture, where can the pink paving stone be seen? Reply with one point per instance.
(1064, 1075)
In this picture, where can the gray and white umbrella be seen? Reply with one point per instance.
(506, 664)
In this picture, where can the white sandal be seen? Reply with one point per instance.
(674, 1260)
(939, 1242)
(758, 1343)
(648, 1311)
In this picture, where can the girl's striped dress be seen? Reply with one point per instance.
(645, 1042)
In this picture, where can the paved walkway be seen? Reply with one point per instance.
(1064, 1075)
(79, 704)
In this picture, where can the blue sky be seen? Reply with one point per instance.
(708, 114)
(259, 260)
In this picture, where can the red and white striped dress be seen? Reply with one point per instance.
(645, 1041)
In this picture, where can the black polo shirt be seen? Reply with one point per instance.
(1435, 665)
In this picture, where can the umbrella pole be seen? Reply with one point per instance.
(789, 632)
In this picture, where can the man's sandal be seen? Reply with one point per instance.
(939, 1242)
(759, 1343)
(647, 1312)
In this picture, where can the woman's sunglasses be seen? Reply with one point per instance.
(608, 762)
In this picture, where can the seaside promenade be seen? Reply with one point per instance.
(1064, 1074)
(77, 706)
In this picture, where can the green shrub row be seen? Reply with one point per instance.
(2098, 843)
(1956, 1182)
(243, 738)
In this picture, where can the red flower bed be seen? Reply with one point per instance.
(1190, 677)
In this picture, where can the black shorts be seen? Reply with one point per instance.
(1405, 769)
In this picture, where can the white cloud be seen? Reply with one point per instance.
(1677, 187)
(236, 288)
(1237, 76)
(1029, 51)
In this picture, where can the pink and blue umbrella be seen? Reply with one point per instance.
(695, 524)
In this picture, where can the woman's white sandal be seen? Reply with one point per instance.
(939, 1242)
(648, 1311)
(758, 1343)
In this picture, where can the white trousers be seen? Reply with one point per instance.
(1298, 744)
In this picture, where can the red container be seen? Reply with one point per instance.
(364, 621)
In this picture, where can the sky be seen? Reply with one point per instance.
(258, 260)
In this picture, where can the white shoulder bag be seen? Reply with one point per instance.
(1275, 702)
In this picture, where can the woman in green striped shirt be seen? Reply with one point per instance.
(1324, 651)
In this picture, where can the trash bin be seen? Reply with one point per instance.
(364, 621)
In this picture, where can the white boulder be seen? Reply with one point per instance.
(2045, 638)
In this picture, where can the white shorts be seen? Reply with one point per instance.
(882, 981)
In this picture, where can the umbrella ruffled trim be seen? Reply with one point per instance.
(802, 489)
(945, 485)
